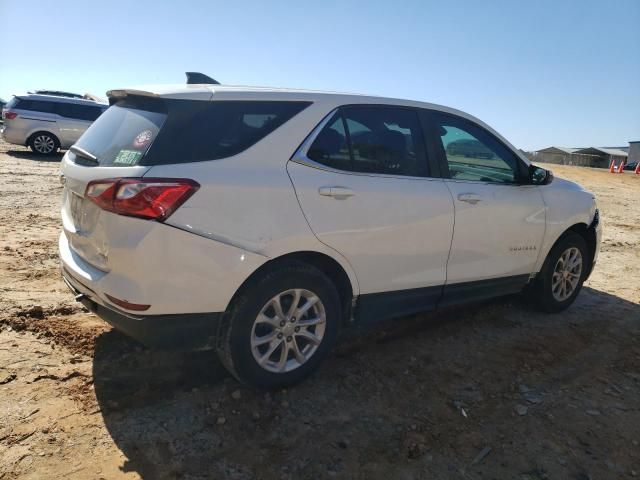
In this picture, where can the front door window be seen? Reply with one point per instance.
(473, 154)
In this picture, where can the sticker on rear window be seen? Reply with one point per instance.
(127, 157)
(143, 139)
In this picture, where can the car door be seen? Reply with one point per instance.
(73, 120)
(499, 215)
(365, 186)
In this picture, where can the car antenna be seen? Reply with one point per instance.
(197, 77)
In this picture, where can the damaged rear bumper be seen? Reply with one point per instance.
(191, 331)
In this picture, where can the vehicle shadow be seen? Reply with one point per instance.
(180, 415)
(29, 155)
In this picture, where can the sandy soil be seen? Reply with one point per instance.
(489, 391)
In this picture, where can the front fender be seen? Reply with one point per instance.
(567, 205)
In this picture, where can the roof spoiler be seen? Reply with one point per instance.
(200, 78)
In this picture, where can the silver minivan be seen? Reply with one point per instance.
(47, 123)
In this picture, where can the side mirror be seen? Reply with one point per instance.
(539, 175)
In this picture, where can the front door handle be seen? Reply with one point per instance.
(336, 192)
(471, 198)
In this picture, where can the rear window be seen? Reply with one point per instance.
(157, 132)
(121, 135)
(32, 105)
(12, 103)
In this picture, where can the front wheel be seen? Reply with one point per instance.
(281, 327)
(562, 275)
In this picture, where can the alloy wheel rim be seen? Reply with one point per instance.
(288, 330)
(566, 274)
(43, 144)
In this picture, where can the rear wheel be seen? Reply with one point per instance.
(44, 143)
(560, 280)
(281, 327)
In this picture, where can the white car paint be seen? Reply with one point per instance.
(395, 231)
(498, 235)
(392, 234)
(566, 204)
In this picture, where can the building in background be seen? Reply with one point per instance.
(634, 152)
(559, 155)
(599, 157)
(604, 156)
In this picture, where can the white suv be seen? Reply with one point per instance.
(260, 221)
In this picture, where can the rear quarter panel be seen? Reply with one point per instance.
(27, 123)
(248, 201)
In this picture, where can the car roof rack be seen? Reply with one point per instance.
(76, 96)
(57, 93)
(200, 78)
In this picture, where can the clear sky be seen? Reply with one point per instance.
(544, 72)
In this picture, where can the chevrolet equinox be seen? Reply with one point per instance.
(261, 221)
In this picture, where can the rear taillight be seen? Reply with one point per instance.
(151, 198)
(7, 115)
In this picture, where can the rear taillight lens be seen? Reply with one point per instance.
(7, 115)
(151, 198)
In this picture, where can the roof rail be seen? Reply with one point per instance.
(197, 77)
(57, 93)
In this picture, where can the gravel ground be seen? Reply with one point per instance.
(488, 391)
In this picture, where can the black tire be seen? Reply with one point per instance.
(540, 294)
(44, 143)
(234, 342)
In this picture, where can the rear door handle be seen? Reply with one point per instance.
(471, 198)
(336, 192)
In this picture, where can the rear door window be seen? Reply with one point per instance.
(67, 110)
(373, 139)
(330, 147)
(35, 105)
(156, 132)
(78, 111)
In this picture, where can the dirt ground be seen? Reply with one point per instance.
(489, 391)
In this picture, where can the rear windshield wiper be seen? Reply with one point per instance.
(81, 152)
